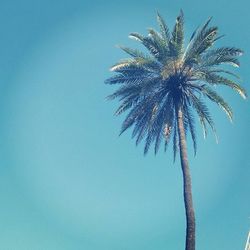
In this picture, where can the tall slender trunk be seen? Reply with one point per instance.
(187, 188)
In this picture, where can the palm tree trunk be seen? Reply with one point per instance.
(187, 188)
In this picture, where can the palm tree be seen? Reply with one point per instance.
(162, 89)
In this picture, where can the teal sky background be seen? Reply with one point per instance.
(67, 181)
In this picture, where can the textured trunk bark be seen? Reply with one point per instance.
(187, 188)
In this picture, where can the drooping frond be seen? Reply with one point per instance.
(132, 116)
(224, 55)
(141, 127)
(148, 142)
(215, 79)
(213, 96)
(175, 141)
(203, 114)
(191, 125)
(227, 72)
(126, 104)
(163, 121)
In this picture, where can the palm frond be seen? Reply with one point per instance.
(135, 112)
(136, 66)
(160, 44)
(224, 55)
(177, 40)
(133, 52)
(148, 142)
(225, 72)
(175, 141)
(191, 125)
(216, 79)
(213, 96)
(164, 117)
(141, 127)
(128, 103)
(203, 114)
(163, 28)
(202, 40)
(148, 42)
(133, 79)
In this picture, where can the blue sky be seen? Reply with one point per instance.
(67, 181)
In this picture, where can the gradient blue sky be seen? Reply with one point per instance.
(67, 181)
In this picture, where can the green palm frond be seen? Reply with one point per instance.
(163, 28)
(136, 65)
(160, 44)
(148, 42)
(175, 141)
(220, 80)
(201, 41)
(163, 120)
(224, 55)
(203, 114)
(177, 40)
(213, 96)
(191, 126)
(127, 79)
(128, 103)
(134, 52)
(141, 127)
(156, 37)
(227, 72)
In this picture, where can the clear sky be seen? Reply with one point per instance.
(67, 181)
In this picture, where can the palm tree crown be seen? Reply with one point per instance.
(170, 77)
